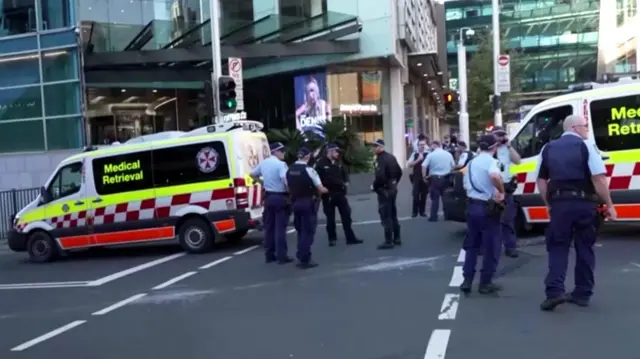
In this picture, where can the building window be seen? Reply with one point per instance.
(62, 99)
(20, 103)
(59, 65)
(64, 133)
(55, 14)
(19, 70)
(18, 17)
(21, 136)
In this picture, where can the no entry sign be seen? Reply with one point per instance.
(504, 73)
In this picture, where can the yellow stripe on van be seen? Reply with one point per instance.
(628, 156)
(35, 214)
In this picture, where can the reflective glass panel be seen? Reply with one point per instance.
(64, 133)
(62, 99)
(31, 136)
(19, 103)
(19, 70)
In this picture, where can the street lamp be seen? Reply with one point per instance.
(463, 118)
(495, 20)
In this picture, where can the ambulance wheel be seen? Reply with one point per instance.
(236, 236)
(196, 236)
(42, 248)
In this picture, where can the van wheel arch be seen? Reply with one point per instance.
(195, 234)
(41, 246)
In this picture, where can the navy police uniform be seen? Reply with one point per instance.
(385, 184)
(438, 165)
(303, 181)
(419, 186)
(275, 215)
(567, 165)
(483, 227)
(335, 178)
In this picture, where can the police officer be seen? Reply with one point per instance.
(465, 156)
(304, 184)
(571, 173)
(385, 184)
(335, 178)
(435, 167)
(485, 192)
(274, 171)
(507, 155)
(419, 186)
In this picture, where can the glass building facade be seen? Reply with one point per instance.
(559, 39)
(40, 91)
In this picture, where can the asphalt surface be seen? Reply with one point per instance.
(360, 303)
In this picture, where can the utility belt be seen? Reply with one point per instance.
(572, 194)
(511, 186)
(493, 209)
(269, 193)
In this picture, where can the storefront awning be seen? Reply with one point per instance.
(273, 36)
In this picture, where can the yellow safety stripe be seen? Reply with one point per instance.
(628, 156)
(55, 209)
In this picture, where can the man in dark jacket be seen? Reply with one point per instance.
(385, 184)
(335, 178)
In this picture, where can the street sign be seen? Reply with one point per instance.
(504, 73)
(235, 71)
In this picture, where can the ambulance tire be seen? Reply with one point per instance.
(41, 247)
(196, 235)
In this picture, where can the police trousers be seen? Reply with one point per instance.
(437, 185)
(330, 202)
(388, 213)
(483, 232)
(275, 218)
(305, 220)
(419, 193)
(507, 223)
(572, 220)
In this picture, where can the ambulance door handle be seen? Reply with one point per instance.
(604, 158)
(97, 200)
(79, 203)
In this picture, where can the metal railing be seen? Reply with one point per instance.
(11, 202)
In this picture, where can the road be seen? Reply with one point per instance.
(360, 303)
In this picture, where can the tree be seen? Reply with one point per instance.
(480, 83)
(356, 156)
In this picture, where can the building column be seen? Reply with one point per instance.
(393, 121)
(262, 8)
(316, 7)
(424, 117)
(414, 110)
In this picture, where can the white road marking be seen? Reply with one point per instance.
(461, 256)
(456, 278)
(173, 280)
(119, 304)
(139, 268)
(239, 253)
(47, 336)
(437, 347)
(216, 262)
(45, 285)
(449, 307)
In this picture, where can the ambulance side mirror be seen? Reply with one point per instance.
(45, 196)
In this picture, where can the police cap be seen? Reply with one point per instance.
(377, 143)
(498, 131)
(487, 142)
(332, 146)
(303, 152)
(276, 146)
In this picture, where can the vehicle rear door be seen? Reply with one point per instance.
(616, 131)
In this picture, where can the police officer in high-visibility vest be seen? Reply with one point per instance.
(571, 179)
(274, 171)
(304, 187)
(485, 192)
(419, 186)
(507, 155)
(435, 168)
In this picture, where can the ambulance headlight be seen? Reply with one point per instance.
(16, 219)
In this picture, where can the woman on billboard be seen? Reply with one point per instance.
(314, 111)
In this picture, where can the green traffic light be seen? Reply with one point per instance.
(231, 103)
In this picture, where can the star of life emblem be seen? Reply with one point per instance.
(207, 160)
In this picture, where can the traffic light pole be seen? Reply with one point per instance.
(463, 119)
(216, 56)
(495, 16)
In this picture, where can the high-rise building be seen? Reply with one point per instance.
(562, 42)
(74, 73)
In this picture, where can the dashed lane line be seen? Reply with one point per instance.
(216, 262)
(174, 280)
(449, 308)
(438, 343)
(119, 304)
(47, 336)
